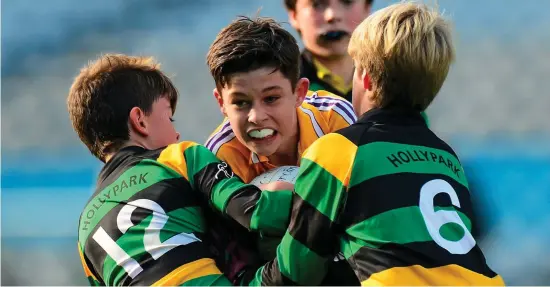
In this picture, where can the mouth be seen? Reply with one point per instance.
(333, 36)
(262, 134)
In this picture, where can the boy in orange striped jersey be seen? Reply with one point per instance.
(271, 117)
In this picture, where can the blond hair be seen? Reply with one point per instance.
(406, 49)
(102, 95)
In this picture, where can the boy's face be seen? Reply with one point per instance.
(326, 25)
(261, 108)
(159, 124)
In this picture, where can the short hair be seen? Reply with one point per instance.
(249, 44)
(291, 4)
(406, 49)
(103, 94)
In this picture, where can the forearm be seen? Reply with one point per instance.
(251, 207)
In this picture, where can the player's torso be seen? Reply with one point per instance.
(141, 214)
(319, 114)
(408, 213)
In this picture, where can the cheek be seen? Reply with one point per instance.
(238, 123)
(309, 23)
(286, 119)
(354, 18)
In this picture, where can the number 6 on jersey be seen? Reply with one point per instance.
(436, 219)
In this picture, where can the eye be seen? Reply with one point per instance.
(316, 4)
(347, 2)
(271, 99)
(240, 103)
(172, 119)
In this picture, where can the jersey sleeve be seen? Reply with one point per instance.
(310, 241)
(221, 143)
(239, 164)
(263, 211)
(337, 111)
(92, 279)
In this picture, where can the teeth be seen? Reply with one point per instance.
(259, 134)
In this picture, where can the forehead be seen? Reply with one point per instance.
(162, 103)
(258, 80)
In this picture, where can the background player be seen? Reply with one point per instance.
(325, 27)
(393, 197)
(148, 222)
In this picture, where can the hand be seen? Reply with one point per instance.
(277, 185)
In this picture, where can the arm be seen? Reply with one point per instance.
(92, 279)
(311, 241)
(257, 210)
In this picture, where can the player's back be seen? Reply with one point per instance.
(408, 213)
(145, 225)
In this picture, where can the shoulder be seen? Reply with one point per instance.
(328, 104)
(221, 136)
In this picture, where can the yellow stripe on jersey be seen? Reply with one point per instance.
(189, 271)
(339, 167)
(87, 270)
(172, 156)
(416, 275)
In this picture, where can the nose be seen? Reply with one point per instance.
(333, 12)
(257, 115)
(177, 136)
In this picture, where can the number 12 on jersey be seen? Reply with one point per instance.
(151, 237)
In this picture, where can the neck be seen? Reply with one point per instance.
(286, 155)
(341, 66)
(110, 155)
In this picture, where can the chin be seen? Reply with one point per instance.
(264, 152)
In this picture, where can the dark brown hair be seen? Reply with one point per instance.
(103, 94)
(249, 44)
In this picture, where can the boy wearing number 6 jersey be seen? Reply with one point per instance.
(148, 222)
(393, 197)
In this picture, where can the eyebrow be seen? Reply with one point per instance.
(271, 89)
(268, 89)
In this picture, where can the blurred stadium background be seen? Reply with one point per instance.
(494, 109)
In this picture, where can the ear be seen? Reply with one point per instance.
(292, 19)
(219, 99)
(367, 84)
(137, 122)
(302, 88)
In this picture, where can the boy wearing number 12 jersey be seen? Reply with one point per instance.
(148, 222)
(393, 198)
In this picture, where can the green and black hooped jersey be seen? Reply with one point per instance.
(146, 222)
(393, 198)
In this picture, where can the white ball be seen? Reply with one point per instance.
(286, 173)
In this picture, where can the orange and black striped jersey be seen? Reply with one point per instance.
(149, 222)
(320, 113)
(392, 198)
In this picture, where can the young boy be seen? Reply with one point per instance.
(325, 27)
(271, 118)
(148, 221)
(392, 197)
